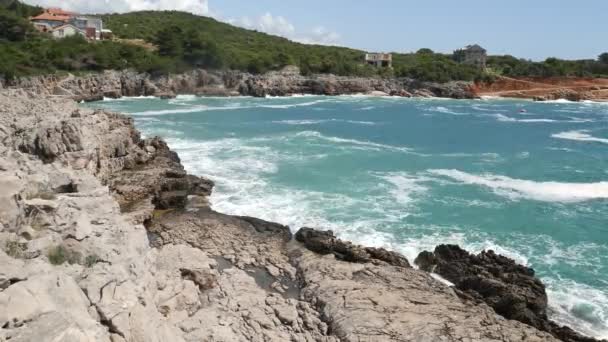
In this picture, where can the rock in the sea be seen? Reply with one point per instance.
(511, 289)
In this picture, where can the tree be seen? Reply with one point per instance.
(425, 51)
(12, 27)
(170, 41)
(199, 51)
(603, 58)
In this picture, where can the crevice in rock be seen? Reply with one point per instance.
(103, 320)
(6, 283)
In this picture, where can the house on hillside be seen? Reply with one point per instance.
(379, 60)
(473, 55)
(53, 18)
(91, 25)
(48, 19)
(66, 30)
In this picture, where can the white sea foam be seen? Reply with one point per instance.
(291, 105)
(171, 111)
(540, 191)
(127, 98)
(445, 110)
(558, 101)
(578, 305)
(405, 188)
(367, 108)
(581, 135)
(360, 143)
(322, 121)
(504, 118)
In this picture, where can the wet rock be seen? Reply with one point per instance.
(511, 289)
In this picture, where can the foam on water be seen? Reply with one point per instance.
(581, 135)
(359, 143)
(578, 305)
(540, 191)
(322, 121)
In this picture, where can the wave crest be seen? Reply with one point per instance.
(540, 191)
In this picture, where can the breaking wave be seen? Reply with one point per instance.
(322, 121)
(361, 143)
(540, 191)
(581, 135)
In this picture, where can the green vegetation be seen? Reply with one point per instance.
(428, 65)
(91, 260)
(14, 249)
(59, 255)
(184, 41)
(551, 67)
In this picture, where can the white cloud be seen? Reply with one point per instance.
(278, 25)
(271, 24)
(320, 35)
(110, 6)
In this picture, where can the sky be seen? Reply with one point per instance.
(532, 29)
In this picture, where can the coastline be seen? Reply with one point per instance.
(289, 82)
(288, 289)
(116, 84)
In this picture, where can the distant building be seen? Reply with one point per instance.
(52, 18)
(49, 19)
(472, 54)
(66, 30)
(379, 60)
(42, 27)
(91, 25)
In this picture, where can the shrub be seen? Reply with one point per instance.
(59, 255)
(14, 249)
(91, 260)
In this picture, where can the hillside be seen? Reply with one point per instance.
(186, 41)
(257, 52)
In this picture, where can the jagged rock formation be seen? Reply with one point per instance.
(116, 84)
(511, 289)
(104, 237)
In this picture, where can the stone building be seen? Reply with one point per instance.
(472, 54)
(379, 60)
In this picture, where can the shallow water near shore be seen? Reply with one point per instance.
(529, 180)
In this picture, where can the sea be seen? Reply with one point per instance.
(526, 179)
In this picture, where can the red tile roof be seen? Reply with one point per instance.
(59, 11)
(51, 17)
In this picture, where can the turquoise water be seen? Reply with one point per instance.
(529, 180)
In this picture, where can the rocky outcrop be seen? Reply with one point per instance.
(544, 89)
(325, 242)
(104, 237)
(116, 84)
(511, 289)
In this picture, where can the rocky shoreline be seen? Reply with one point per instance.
(105, 237)
(115, 84)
